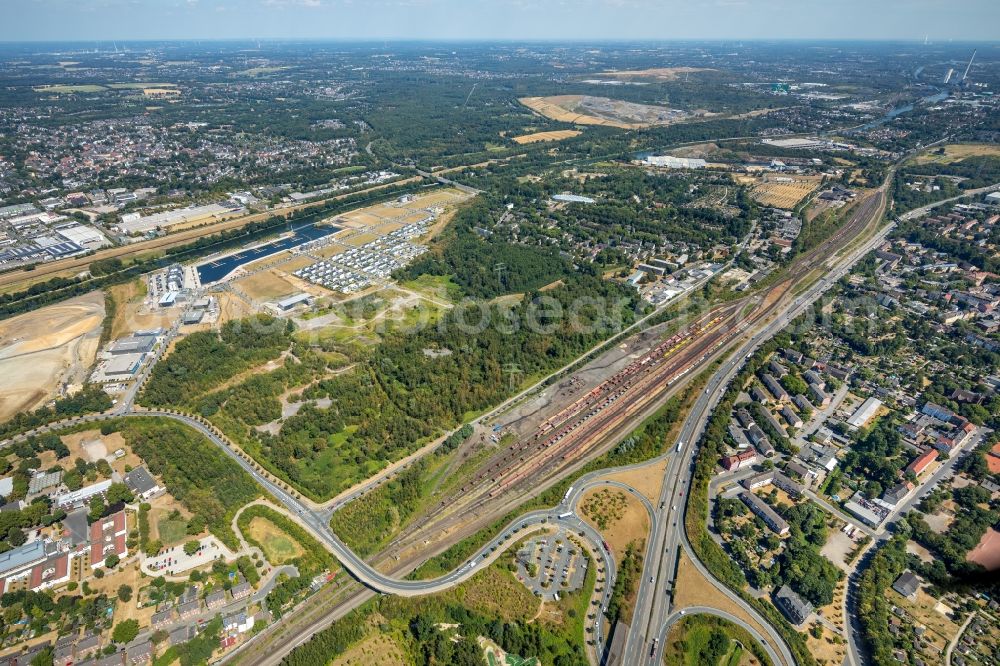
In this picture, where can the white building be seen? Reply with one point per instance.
(82, 495)
(864, 413)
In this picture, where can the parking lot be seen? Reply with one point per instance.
(552, 564)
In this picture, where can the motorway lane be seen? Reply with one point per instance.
(664, 563)
(317, 521)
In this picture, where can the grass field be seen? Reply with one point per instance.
(688, 642)
(556, 135)
(70, 89)
(956, 152)
(260, 71)
(658, 73)
(140, 86)
(172, 532)
(375, 650)
(278, 546)
(440, 287)
(496, 590)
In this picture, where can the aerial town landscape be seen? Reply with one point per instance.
(532, 352)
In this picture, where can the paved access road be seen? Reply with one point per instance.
(653, 601)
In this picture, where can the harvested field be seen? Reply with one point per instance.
(45, 352)
(658, 73)
(556, 135)
(279, 548)
(768, 191)
(361, 239)
(987, 551)
(956, 152)
(299, 262)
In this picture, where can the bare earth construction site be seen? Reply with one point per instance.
(46, 352)
(588, 110)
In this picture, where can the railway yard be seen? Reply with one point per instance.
(592, 410)
(483, 366)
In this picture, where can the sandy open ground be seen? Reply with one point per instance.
(45, 351)
(647, 479)
(987, 551)
(693, 589)
(266, 286)
(624, 526)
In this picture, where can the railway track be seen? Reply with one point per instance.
(579, 430)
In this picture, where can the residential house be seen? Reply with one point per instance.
(907, 585)
(795, 608)
(770, 517)
(142, 484)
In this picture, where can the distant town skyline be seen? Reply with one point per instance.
(88, 20)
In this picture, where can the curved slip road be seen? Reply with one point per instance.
(674, 497)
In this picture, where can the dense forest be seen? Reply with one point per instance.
(204, 480)
(205, 359)
(486, 267)
(396, 395)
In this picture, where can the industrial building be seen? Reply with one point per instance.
(132, 345)
(670, 162)
(291, 302)
(572, 198)
(122, 366)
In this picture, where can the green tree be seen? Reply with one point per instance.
(125, 631)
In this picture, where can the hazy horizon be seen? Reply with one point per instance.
(499, 20)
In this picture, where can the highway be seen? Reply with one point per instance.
(668, 529)
(653, 601)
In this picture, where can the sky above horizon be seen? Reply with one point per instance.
(939, 20)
